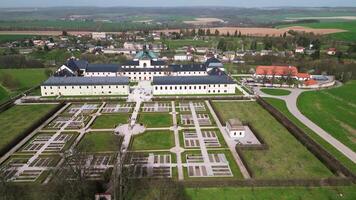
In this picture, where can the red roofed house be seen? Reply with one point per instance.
(279, 72)
(310, 82)
(331, 51)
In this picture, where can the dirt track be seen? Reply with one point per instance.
(223, 30)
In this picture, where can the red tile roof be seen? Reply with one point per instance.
(310, 82)
(276, 70)
(303, 75)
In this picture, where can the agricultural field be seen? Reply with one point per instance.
(282, 107)
(17, 119)
(276, 92)
(10, 38)
(333, 110)
(349, 26)
(286, 157)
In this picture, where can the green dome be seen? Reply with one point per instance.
(145, 55)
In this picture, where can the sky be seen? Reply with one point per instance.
(158, 3)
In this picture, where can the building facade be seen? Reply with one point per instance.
(85, 86)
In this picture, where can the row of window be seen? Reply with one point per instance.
(80, 87)
(184, 87)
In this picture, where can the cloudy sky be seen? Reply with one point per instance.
(237, 3)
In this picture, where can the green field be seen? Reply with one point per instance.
(276, 92)
(174, 44)
(349, 26)
(25, 78)
(15, 120)
(282, 107)
(153, 140)
(100, 142)
(4, 94)
(286, 157)
(106, 121)
(10, 38)
(155, 120)
(333, 110)
(274, 193)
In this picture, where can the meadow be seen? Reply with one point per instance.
(333, 110)
(282, 107)
(285, 157)
(25, 79)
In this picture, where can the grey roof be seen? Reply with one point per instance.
(103, 68)
(192, 67)
(132, 63)
(157, 62)
(193, 80)
(79, 80)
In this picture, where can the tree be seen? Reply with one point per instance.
(222, 45)
(240, 34)
(253, 45)
(217, 32)
(235, 34)
(208, 32)
(64, 33)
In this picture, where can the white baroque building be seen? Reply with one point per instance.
(85, 86)
(204, 78)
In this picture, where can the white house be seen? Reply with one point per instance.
(85, 86)
(235, 128)
(299, 50)
(183, 57)
(98, 36)
(182, 85)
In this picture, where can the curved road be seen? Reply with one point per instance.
(291, 101)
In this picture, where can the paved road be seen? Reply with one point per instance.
(231, 143)
(291, 101)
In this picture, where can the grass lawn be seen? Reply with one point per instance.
(4, 94)
(333, 110)
(276, 92)
(110, 121)
(272, 193)
(286, 157)
(153, 140)
(16, 119)
(27, 78)
(154, 120)
(100, 142)
(282, 107)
